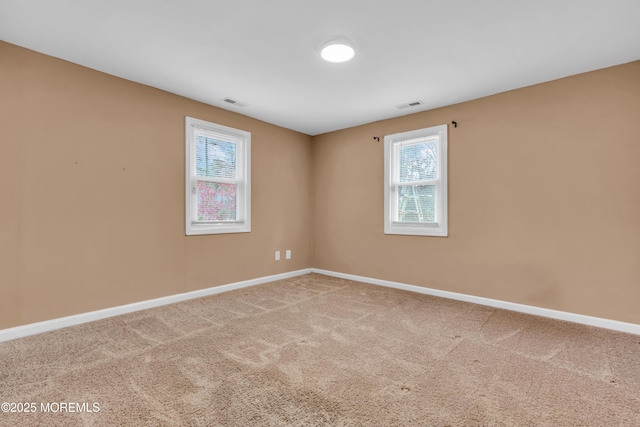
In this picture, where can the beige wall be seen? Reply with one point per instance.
(544, 188)
(92, 194)
(544, 196)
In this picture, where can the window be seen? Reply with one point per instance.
(415, 176)
(218, 178)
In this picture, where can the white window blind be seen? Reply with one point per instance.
(218, 178)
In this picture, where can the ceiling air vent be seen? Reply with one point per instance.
(235, 102)
(409, 105)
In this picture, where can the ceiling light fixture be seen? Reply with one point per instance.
(337, 51)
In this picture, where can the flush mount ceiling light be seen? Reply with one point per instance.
(337, 51)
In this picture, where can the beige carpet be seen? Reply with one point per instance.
(316, 350)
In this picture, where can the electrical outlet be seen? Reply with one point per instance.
(288, 254)
(277, 255)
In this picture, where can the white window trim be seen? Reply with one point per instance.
(243, 168)
(391, 182)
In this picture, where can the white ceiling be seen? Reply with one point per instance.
(265, 53)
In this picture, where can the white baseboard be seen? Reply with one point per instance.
(63, 322)
(615, 325)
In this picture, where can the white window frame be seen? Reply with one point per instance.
(392, 145)
(242, 139)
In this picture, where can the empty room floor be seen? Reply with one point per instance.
(318, 350)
